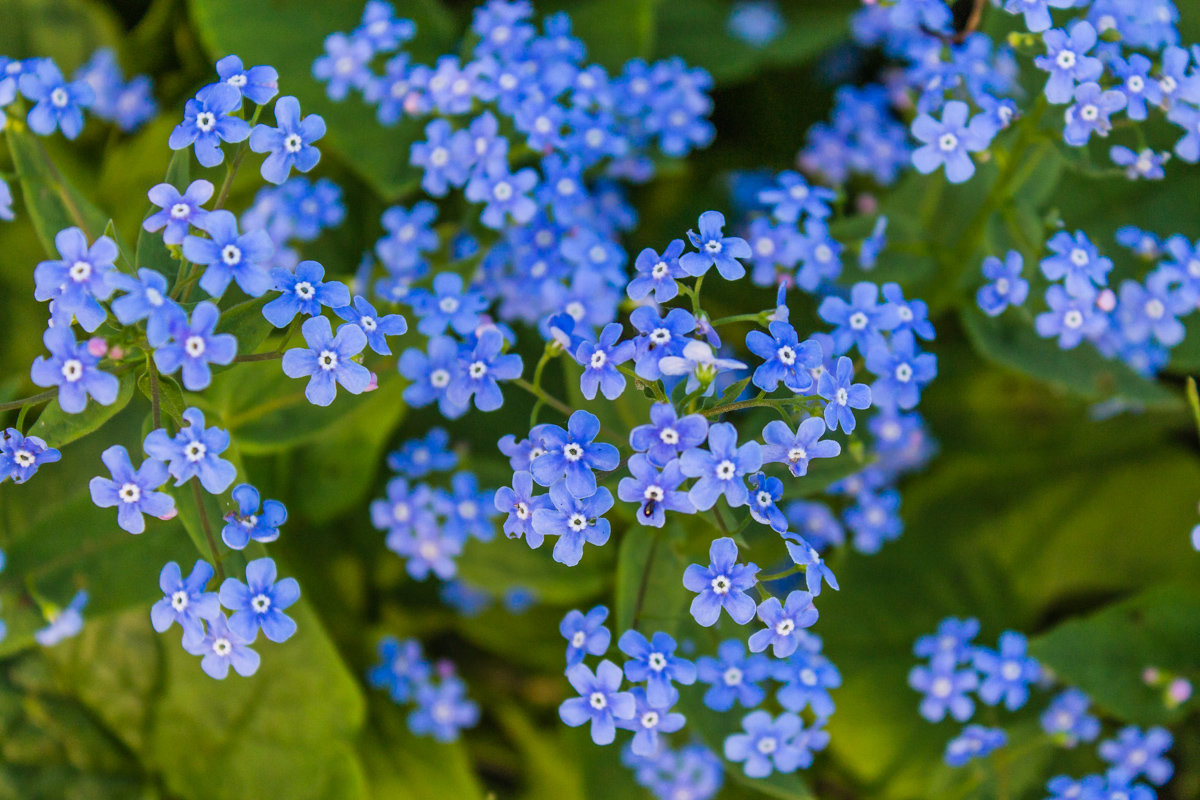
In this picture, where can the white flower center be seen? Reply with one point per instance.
(1089, 112)
(477, 370)
(327, 360)
(659, 337)
(521, 509)
(786, 355)
(796, 454)
(598, 701)
(726, 470)
(179, 600)
(231, 254)
(763, 498)
(439, 156)
(941, 687)
(577, 522)
(502, 191)
(858, 321)
(1155, 309)
(206, 121)
(72, 370)
(904, 373)
(669, 436)
(24, 458)
(448, 305)
(767, 745)
(1065, 59)
(59, 97)
(1010, 670)
(657, 661)
(948, 142)
(1001, 285)
(599, 358)
(368, 324)
(293, 143)
(304, 290)
(572, 452)
(713, 246)
(80, 271)
(1073, 318)
(194, 346)
(237, 81)
(578, 639)
(439, 378)
(222, 646)
(784, 627)
(260, 603)
(195, 451)
(180, 211)
(130, 493)
(1136, 84)
(721, 585)
(660, 269)
(842, 396)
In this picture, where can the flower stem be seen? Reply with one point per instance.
(208, 535)
(40, 397)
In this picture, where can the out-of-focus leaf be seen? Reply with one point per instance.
(400, 764)
(650, 594)
(246, 322)
(66, 30)
(58, 427)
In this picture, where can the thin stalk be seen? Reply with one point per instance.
(208, 534)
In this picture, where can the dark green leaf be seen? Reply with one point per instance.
(58, 427)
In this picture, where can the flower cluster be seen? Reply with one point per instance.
(693, 771)
(441, 706)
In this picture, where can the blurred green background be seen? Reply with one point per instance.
(1035, 515)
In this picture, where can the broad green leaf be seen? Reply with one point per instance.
(403, 765)
(58, 427)
(246, 322)
(650, 594)
(68, 31)
(170, 395)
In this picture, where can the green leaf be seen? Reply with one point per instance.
(58, 427)
(246, 322)
(1105, 653)
(170, 395)
(1081, 371)
(68, 31)
(650, 594)
(403, 765)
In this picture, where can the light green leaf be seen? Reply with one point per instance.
(58, 427)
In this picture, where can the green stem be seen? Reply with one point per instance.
(759, 318)
(40, 397)
(208, 534)
(227, 184)
(644, 583)
(541, 395)
(271, 356)
(155, 404)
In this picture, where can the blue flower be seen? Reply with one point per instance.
(221, 649)
(426, 548)
(20, 457)
(80, 278)
(715, 249)
(817, 523)
(782, 446)
(208, 120)
(329, 360)
(657, 273)
(6, 198)
(1138, 86)
(600, 362)
(807, 678)
(658, 338)
(185, 601)
(376, 328)
(952, 642)
(417, 458)
(344, 65)
(260, 602)
(656, 491)
(1090, 787)
(447, 157)
(875, 520)
(178, 212)
(230, 256)
(1007, 287)
(733, 677)
(1134, 752)
(721, 585)
(820, 256)
(303, 292)
(975, 741)
(1149, 311)
(132, 491)
(520, 504)
(1144, 164)
(479, 369)
(64, 622)
(767, 744)
(573, 454)
(466, 510)
(58, 104)
(1071, 319)
(257, 84)
(585, 634)
(792, 197)
(73, 369)
(402, 668)
(1090, 113)
(949, 141)
(193, 346)
(599, 701)
(815, 570)
(837, 387)
(763, 508)
(193, 452)
(431, 375)
(648, 721)
(946, 690)
(1076, 262)
(902, 369)
(447, 304)
(574, 520)
(290, 144)
(785, 623)
(654, 661)
(1067, 61)
(1008, 673)
(861, 321)
(249, 522)
(1037, 12)
(1067, 718)
(382, 29)
(443, 710)
(721, 469)
(667, 435)
(787, 359)
(505, 194)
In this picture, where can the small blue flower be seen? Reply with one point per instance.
(431, 374)
(1071, 319)
(763, 509)
(1067, 718)
(1007, 287)
(479, 370)
(782, 446)
(837, 387)
(656, 491)
(1145, 164)
(207, 121)
(132, 491)
(80, 278)
(701, 366)
(952, 642)
(657, 273)
(402, 668)
(715, 249)
(178, 212)
(64, 622)
(574, 520)
(816, 522)
(1076, 262)
(785, 623)
(946, 690)
(250, 522)
(221, 649)
(185, 601)
(1037, 12)
(230, 256)
(648, 721)
(787, 359)
(344, 65)
(1007, 673)
(257, 84)
(520, 504)
(659, 337)
(767, 744)
(328, 359)
(1134, 752)
(1068, 62)
(382, 28)
(426, 548)
(376, 328)
(721, 469)
(443, 710)
(861, 321)
(654, 661)
(1138, 86)
(193, 346)
(874, 520)
(600, 361)
(20, 457)
(260, 602)
(721, 585)
(417, 458)
(668, 435)
(505, 194)
(807, 678)
(573, 454)
(303, 292)
(193, 452)
(58, 103)
(585, 634)
(949, 141)
(466, 510)
(290, 144)
(1090, 787)
(599, 701)
(733, 676)
(815, 570)
(902, 369)
(447, 157)
(448, 304)
(975, 741)
(73, 369)
(1090, 113)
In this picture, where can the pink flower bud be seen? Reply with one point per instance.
(174, 512)
(1151, 676)
(116, 353)
(97, 347)
(1179, 691)
(374, 384)
(1106, 300)
(867, 203)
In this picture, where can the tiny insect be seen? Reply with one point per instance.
(966, 15)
